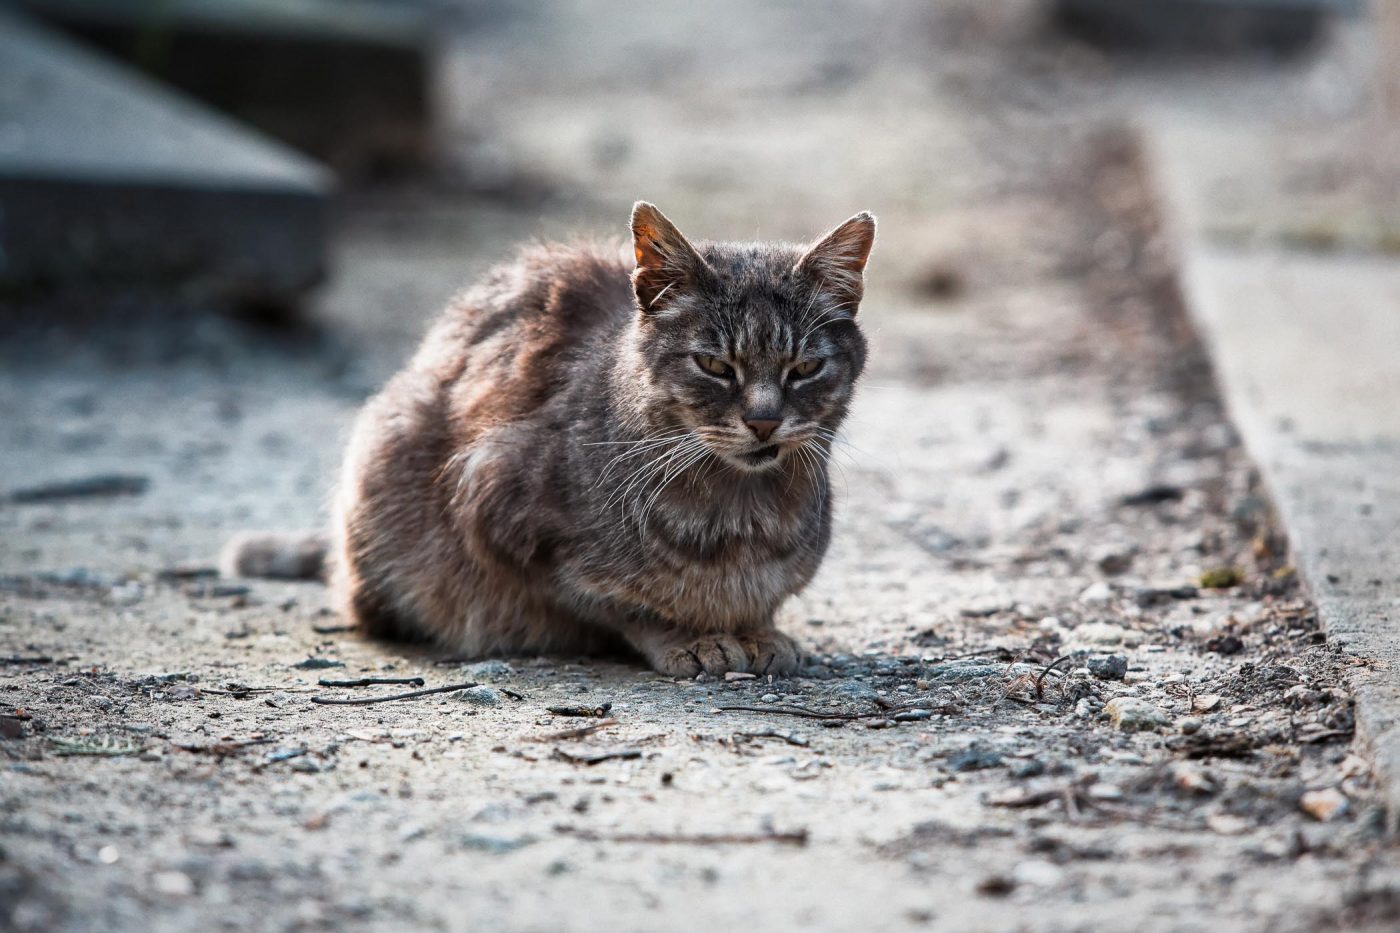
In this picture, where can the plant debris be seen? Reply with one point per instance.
(598, 712)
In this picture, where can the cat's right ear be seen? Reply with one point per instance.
(666, 262)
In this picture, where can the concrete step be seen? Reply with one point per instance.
(106, 176)
(1305, 345)
(348, 81)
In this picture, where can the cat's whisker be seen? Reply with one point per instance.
(694, 458)
(651, 468)
(639, 475)
(651, 445)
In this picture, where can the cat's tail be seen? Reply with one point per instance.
(276, 555)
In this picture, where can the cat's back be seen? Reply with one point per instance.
(506, 346)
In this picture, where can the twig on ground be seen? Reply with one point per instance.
(580, 732)
(795, 837)
(599, 712)
(1040, 681)
(787, 737)
(809, 713)
(332, 629)
(27, 659)
(222, 749)
(373, 681)
(597, 757)
(411, 695)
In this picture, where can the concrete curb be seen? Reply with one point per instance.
(1305, 347)
(105, 176)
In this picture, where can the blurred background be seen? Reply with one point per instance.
(224, 222)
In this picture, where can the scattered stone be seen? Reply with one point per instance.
(1225, 644)
(975, 758)
(1190, 725)
(1227, 824)
(996, 886)
(1148, 596)
(1031, 767)
(1108, 667)
(1096, 594)
(172, 883)
(1221, 578)
(1155, 494)
(913, 715)
(855, 690)
(1129, 714)
(488, 670)
(1323, 805)
(769, 698)
(1037, 873)
(1113, 563)
(495, 845)
(1205, 703)
(1192, 779)
(13, 727)
(481, 696)
(317, 664)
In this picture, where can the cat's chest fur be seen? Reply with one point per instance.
(724, 550)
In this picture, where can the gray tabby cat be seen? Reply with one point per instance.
(585, 454)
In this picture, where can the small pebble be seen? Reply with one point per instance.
(1108, 667)
(1129, 714)
(1323, 805)
(769, 698)
(489, 670)
(481, 696)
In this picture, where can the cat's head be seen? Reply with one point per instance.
(753, 347)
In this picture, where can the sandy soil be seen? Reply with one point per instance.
(1038, 472)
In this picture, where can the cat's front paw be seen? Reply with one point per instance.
(766, 652)
(772, 652)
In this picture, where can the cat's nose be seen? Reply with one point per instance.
(764, 426)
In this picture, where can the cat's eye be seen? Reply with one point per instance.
(804, 369)
(714, 366)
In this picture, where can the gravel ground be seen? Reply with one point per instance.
(1061, 675)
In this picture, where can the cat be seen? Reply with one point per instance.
(588, 454)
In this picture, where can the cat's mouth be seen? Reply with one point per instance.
(761, 457)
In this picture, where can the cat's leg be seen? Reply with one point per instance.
(679, 653)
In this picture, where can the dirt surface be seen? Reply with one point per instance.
(1037, 486)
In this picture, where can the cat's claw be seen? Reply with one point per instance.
(772, 653)
(769, 652)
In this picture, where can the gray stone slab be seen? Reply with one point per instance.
(1307, 349)
(347, 81)
(104, 174)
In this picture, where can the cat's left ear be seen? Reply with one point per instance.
(666, 262)
(837, 262)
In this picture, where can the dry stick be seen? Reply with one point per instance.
(411, 695)
(808, 713)
(796, 837)
(1040, 681)
(373, 681)
(578, 733)
(30, 659)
